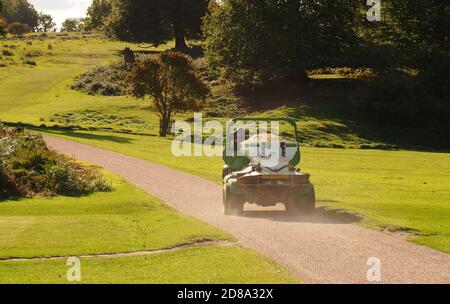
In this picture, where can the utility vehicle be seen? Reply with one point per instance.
(261, 168)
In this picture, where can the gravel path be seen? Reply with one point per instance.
(317, 248)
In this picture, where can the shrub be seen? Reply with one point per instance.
(103, 80)
(30, 62)
(18, 29)
(7, 53)
(28, 167)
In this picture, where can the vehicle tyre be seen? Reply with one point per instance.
(233, 204)
(304, 204)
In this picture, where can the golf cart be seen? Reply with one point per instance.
(260, 167)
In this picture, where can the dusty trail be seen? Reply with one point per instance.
(316, 248)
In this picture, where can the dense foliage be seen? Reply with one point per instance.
(156, 21)
(97, 13)
(171, 81)
(253, 42)
(18, 29)
(20, 11)
(28, 167)
(257, 41)
(45, 23)
(72, 25)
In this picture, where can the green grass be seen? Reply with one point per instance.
(124, 220)
(398, 190)
(42, 95)
(208, 265)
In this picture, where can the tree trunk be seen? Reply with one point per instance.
(164, 127)
(180, 36)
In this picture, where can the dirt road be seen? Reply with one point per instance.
(317, 248)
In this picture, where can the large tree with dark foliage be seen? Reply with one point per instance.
(156, 21)
(20, 11)
(255, 41)
(97, 13)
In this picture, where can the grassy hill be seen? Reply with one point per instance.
(40, 95)
(394, 190)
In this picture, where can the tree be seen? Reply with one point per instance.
(20, 11)
(170, 80)
(421, 21)
(45, 23)
(97, 14)
(256, 41)
(156, 21)
(2, 27)
(72, 25)
(18, 29)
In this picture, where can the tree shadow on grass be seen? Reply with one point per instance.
(329, 104)
(91, 136)
(73, 131)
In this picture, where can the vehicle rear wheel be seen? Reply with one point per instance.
(233, 204)
(305, 204)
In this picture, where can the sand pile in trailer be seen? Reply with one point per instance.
(265, 138)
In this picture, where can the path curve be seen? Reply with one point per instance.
(316, 248)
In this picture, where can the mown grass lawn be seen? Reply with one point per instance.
(41, 94)
(124, 220)
(396, 189)
(208, 265)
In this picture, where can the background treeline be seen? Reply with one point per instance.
(19, 17)
(251, 43)
(20, 11)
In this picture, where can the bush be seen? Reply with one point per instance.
(7, 53)
(18, 29)
(28, 167)
(30, 62)
(103, 80)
